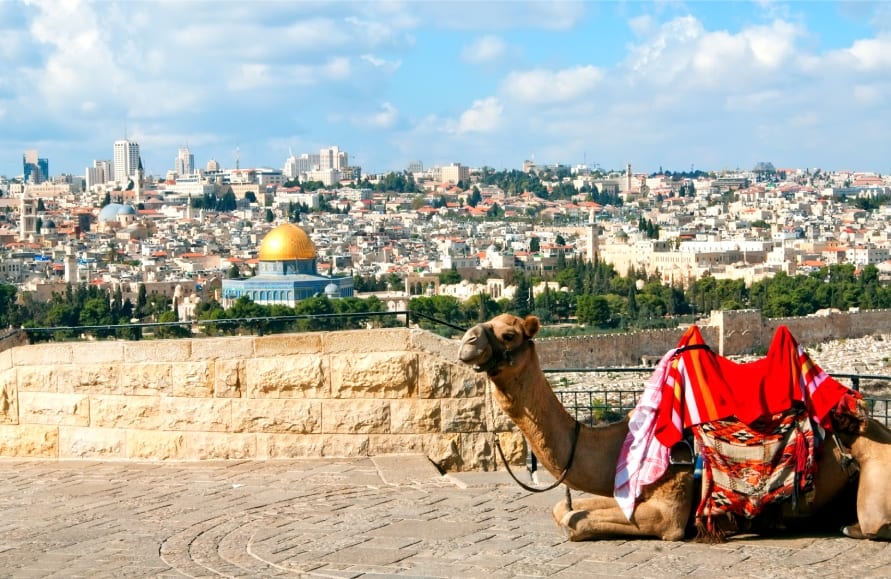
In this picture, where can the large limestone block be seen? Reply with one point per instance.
(434, 377)
(5, 359)
(53, 408)
(37, 378)
(88, 378)
(228, 378)
(411, 416)
(277, 415)
(478, 453)
(137, 412)
(439, 347)
(97, 352)
(9, 399)
(355, 416)
(156, 445)
(271, 446)
(145, 379)
(192, 379)
(441, 449)
(463, 415)
(196, 414)
(375, 374)
(231, 348)
(360, 342)
(101, 443)
(220, 445)
(157, 351)
(465, 383)
(42, 355)
(288, 344)
(297, 376)
(29, 441)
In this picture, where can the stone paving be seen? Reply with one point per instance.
(385, 516)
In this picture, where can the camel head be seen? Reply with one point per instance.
(492, 345)
(849, 423)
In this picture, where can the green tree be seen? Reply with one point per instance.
(450, 276)
(593, 310)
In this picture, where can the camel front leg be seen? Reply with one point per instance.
(600, 517)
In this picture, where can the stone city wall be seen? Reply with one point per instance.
(352, 393)
(731, 333)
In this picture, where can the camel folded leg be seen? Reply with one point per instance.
(600, 517)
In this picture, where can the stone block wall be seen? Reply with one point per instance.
(353, 393)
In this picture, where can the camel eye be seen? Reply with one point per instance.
(508, 336)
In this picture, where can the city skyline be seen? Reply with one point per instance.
(705, 85)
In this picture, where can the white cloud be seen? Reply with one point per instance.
(389, 66)
(544, 86)
(383, 119)
(872, 54)
(483, 50)
(682, 53)
(249, 77)
(484, 116)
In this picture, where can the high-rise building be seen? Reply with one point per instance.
(126, 161)
(34, 169)
(295, 166)
(455, 173)
(185, 162)
(333, 158)
(98, 174)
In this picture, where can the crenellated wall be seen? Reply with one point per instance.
(731, 333)
(353, 393)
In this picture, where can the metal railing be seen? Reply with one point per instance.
(593, 404)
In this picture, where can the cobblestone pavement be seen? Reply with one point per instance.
(381, 517)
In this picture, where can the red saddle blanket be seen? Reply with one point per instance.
(701, 386)
(694, 386)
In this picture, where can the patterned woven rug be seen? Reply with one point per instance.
(747, 467)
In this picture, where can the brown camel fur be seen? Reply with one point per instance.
(503, 348)
(870, 445)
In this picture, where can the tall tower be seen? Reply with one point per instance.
(28, 216)
(126, 160)
(185, 162)
(71, 273)
(593, 248)
(628, 177)
(34, 169)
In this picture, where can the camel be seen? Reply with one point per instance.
(503, 348)
(870, 445)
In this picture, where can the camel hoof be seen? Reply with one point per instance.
(568, 524)
(852, 531)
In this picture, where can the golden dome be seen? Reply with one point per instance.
(286, 242)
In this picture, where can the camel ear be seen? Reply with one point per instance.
(531, 325)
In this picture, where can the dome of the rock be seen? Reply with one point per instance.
(286, 242)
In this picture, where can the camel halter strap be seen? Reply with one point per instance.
(556, 483)
(500, 354)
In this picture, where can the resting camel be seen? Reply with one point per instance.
(870, 444)
(503, 348)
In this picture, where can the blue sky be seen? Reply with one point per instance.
(713, 85)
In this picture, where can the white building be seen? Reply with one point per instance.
(185, 162)
(126, 160)
(454, 173)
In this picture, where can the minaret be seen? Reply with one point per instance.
(71, 273)
(593, 237)
(628, 176)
